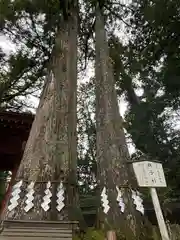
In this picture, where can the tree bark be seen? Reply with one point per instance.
(112, 151)
(50, 153)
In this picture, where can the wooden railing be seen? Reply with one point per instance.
(37, 230)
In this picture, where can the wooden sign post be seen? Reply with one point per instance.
(151, 175)
(111, 235)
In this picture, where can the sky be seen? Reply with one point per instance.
(6, 45)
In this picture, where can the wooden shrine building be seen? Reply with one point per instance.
(14, 132)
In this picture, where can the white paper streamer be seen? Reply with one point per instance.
(60, 197)
(120, 199)
(138, 201)
(15, 195)
(104, 200)
(47, 197)
(30, 197)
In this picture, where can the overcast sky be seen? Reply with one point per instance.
(6, 45)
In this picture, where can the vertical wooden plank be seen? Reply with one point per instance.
(111, 235)
(8, 192)
(159, 215)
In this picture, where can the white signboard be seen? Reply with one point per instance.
(149, 174)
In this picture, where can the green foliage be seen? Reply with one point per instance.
(91, 234)
(97, 234)
(156, 42)
(3, 182)
(150, 61)
(32, 26)
(156, 234)
(94, 234)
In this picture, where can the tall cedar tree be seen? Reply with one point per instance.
(112, 151)
(50, 153)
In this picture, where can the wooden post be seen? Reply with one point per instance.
(159, 215)
(151, 174)
(111, 235)
(8, 192)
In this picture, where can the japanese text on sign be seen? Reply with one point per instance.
(149, 174)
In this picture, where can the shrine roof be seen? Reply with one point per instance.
(14, 129)
(16, 117)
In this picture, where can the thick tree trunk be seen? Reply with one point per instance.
(112, 151)
(50, 153)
